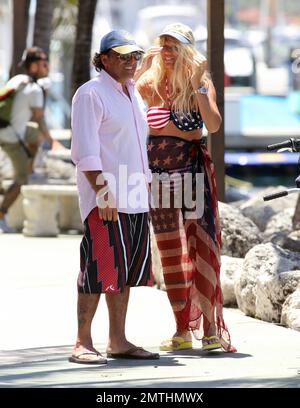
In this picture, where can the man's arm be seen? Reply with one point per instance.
(38, 116)
(98, 182)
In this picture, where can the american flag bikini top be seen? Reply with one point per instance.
(158, 117)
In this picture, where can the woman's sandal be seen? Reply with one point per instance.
(211, 343)
(176, 343)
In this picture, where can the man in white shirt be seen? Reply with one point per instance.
(19, 140)
(109, 133)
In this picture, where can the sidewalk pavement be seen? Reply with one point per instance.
(38, 322)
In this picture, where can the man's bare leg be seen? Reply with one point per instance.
(117, 310)
(86, 308)
(9, 198)
(33, 148)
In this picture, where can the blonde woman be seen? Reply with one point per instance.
(181, 97)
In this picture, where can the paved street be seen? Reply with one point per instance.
(38, 322)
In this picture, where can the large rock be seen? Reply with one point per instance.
(272, 292)
(291, 310)
(260, 212)
(231, 269)
(269, 275)
(292, 241)
(296, 217)
(280, 223)
(239, 233)
(59, 169)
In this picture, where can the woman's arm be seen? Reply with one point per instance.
(207, 102)
(208, 106)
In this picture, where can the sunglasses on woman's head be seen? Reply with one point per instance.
(170, 48)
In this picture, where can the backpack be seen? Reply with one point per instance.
(7, 95)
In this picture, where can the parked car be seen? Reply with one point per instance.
(239, 60)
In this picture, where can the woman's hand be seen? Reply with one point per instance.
(198, 68)
(147, 61)
(148, 57)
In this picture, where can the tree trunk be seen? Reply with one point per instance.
(43, 24)
(20, 28)
(215, 47)
(82, 52)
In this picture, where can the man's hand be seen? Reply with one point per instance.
(56, 145)
(108, 214)
(107, 208)
(105, 201)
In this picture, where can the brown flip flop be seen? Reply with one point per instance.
(79, 358)
(129, 354)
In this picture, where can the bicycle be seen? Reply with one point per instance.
(291, 145)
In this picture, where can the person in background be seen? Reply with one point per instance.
(181, 97)
(109, 133)
(27, 127)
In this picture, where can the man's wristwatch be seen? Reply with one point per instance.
(203, 90)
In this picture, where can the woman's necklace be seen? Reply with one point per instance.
(167, 93)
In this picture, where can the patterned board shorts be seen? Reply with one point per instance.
(115, 254)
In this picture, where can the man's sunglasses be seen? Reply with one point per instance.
(127, 57)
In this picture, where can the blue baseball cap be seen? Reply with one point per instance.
(120, 41)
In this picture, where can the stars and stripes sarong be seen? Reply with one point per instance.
(190, 248)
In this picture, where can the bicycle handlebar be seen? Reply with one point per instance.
(294, 145)
(291, 143)
(281, 194)
(275, 195)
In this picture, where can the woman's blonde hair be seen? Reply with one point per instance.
(182, 95)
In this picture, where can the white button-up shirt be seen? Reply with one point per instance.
(109, 133)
